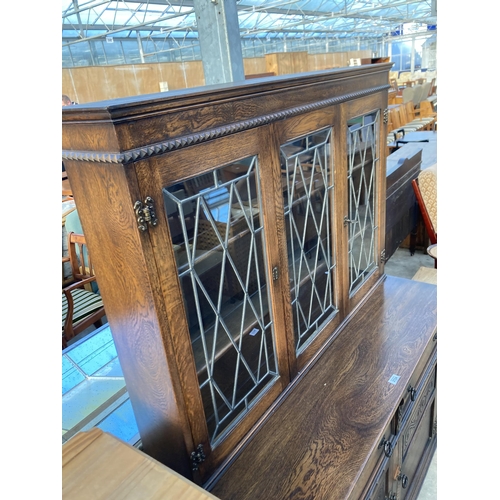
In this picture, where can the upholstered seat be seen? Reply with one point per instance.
(425, 187)
(427, 181)
(84, 303)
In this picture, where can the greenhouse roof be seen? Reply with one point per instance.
(84, 20)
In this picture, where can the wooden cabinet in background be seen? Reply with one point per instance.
(238, 232)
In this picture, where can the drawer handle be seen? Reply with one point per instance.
(413, 393)
(387, 446)
(404, 480)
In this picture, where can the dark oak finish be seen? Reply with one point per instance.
(323, 437)
(401, 204)
(257, 188)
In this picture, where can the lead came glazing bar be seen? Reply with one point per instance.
(217, 233)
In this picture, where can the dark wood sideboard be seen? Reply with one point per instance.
(362, 421)
(401, 204)
(238, 238)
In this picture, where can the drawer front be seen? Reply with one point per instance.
(416, 460)
(377, 489)
(416, 439)
(421, 405)
(416, 384)
(376, 468)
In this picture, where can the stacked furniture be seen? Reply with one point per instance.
(265, 351)
(82, 304)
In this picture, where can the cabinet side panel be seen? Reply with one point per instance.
(105, 195)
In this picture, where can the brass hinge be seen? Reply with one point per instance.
(197, 457)
(386, 116)
(382, 256)
(145, 213)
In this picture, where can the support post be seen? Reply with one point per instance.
(220, 42)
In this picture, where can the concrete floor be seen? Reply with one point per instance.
(404, 265)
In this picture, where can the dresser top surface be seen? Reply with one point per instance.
(329, 422)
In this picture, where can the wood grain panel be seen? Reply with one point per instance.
(99, 83)
(167, 116)
(254, 65)
(99, 466)
(126, 149)
(316, 443)
(329, 60)
(129, 287)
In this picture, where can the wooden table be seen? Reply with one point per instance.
(427, 275)
(429, 153)
(417, 136)
(433, 252)
(96, 465)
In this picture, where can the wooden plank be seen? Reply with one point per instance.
(427, 275)
(254, 65)
(99, 466)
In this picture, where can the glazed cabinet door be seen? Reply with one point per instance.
(244, 226)
(216, 245)
(306, 145)
(363, 189)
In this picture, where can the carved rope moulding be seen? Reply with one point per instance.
(200, 137)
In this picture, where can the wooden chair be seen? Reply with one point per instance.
(427, 109)
(418, 91)
(416, 118)
(394, 84)
(426, 88)
(432, 87)
(67, 192)
(407, 122)
(81, 305)
(394, 129)
(407, 94)
(426, 112)
(425, 188)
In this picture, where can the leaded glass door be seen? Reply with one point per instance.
(216, 225)
(362, 218)
(307, 178)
